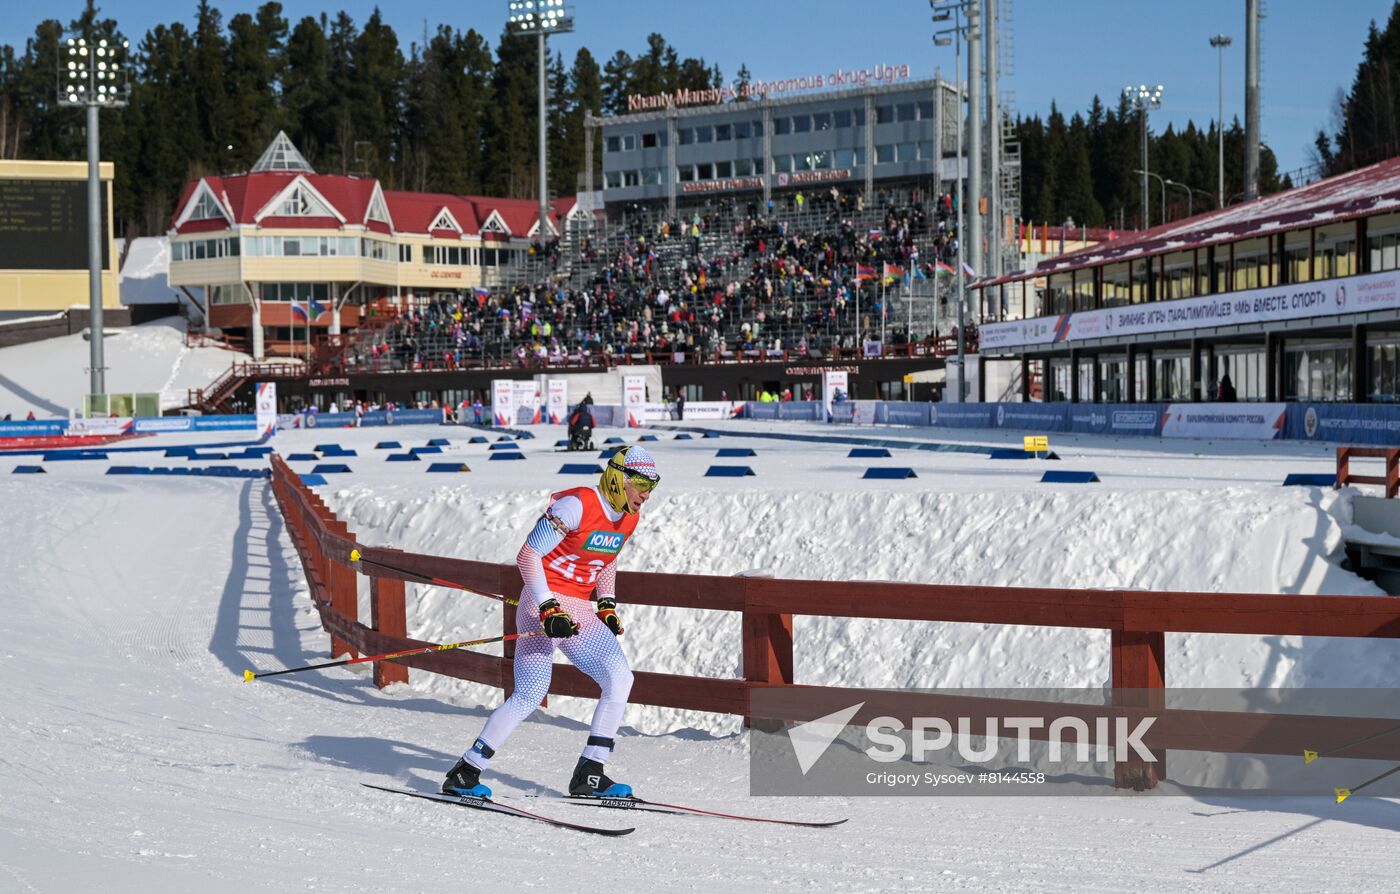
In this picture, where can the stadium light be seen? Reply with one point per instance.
(542, 18)
(93, 73)
(965, 27)
(1220, 42)
(1144, 98)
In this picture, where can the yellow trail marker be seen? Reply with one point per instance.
(1309, 756)
(354, 555)
(1342, 794)
(249, 676)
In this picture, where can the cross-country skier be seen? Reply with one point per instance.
(570, 553)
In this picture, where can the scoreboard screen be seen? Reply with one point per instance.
(43, 225)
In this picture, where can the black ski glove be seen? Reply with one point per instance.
(557, 623)
(607, 613)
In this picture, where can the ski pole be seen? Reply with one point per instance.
(357, 556)
(249, 676)
(1344, 793)
(1310, 756)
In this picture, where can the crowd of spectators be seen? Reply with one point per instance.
(720, 279)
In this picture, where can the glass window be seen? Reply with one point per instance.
(649, 140)
(859, 115)
(884, 154)
(758, 128)
(612, 180)
(1138, 291)
(843, 118)
(801, 123)
(704, 171)
(724, 169)
(685, 136)
(821, 121)
(743, 167)
(926, 110)
(860, 156)
(907, 152)
(844, 158)
(685, 173)
(629, 142)
(724, 132)
(884, 114)
(1250, 270)
(1057, 293)
(742, 129)
(1296, 246)
(782, 163)
(906, 111)
(782, 126)
(704, 134)
(1335, 251)
(1115, 285)
(613, 144)
(631, 178)
(651, 177)
(758, 166)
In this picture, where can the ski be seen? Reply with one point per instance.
(494, 807)
(635, 803)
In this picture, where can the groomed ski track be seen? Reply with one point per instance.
(137, 759)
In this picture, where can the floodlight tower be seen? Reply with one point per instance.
(1144, 98)
(541, 18)
(93, 74)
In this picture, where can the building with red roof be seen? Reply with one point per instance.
(1293, 297)
(281, 250)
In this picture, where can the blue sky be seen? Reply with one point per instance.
(1062, 51)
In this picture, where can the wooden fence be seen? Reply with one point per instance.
(1137, 621)
(1390, 480)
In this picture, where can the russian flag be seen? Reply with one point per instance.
(298, 310)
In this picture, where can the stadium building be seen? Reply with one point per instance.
(1295, 296)
(883, 133)
(281, 248)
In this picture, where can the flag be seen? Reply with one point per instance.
(893, 271)
(919, 272)
(944, 267)
(317, 308)
(298, 310)
(527, 310)
(968, 270)
(864, 272)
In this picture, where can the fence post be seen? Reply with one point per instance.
(1139, 681)
(767, 647)
(1343, 465)
(343, 590)
(1392, 473)
(387, 615)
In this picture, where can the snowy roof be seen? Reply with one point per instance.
(1333, 200)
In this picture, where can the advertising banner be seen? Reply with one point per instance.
(527, 402)
(952, 415)
(502, 402)
(710, 410)
(1349, 295)
(33, 429)
(835, 389)
(112, 425)
(1376, 424)
(266, 407)
(634, 390)
(163, 423)
(224, 423)
(558, 401)
(904, 414)
(1116, 419)
(1253, 421)
(402, 417)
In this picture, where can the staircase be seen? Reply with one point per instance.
(218, 397)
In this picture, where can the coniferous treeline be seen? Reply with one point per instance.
(452, 113)
(1366, 128)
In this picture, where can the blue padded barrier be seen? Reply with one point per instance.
(728, 472)
(303, 458)
(683, 436)
(580, 469)
(402, 457)
(74, 455)
(448, 467)
(1310, 479)
(735, 451)
(890, 472)
(868, 453)
(388, 445)
(478, 440)
(507, 456)
(508, 446)
(29, 470)
(325, 468)
(311, 479)
(1068, 477)
(419, 451)
(438, 442)
(615, 440)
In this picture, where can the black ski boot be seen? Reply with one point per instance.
(590, 781)
(464, 780)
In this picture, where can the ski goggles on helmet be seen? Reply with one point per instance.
(640, 480)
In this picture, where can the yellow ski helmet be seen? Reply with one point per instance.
(628, 462)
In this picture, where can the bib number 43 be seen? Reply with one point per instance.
(568, 566)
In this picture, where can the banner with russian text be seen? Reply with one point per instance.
(558, 401)
(634, 392)
(266, 408)
(834, 382)
(502, 402)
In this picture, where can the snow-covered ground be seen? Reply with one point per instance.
(50, 377)
(137, 759)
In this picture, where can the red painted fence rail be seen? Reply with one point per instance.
(1138, 622)
(1390, 480)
